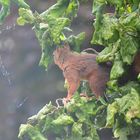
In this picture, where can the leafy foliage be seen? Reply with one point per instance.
(5, 9)
(119, 32)
(51, 25)
(81, 118)
(74, 121)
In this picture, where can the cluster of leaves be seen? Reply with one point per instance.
(119, 33)
(81, 118)
(123, 115)
(5, 8)
(51, 25)
(74, 121)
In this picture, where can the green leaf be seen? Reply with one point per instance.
(128, 106)
(97, 4)
(109, 53)
(121, 133)
(46, 56)
(129, 47)
(22, 4)
(76, 41)
(57, 10)
(5, 10)
(134, 106)
(109, 27)
(56, 26)
(117, 69)
(77, 130)
(112, 109)
(72, 8)
(130, 21)
(63, 120)
(46, 109)
(127, 87)
(21, 21)
(97, 36)
(47, 46)
(113, 84)
(31, 131)
(5, 2)
(100, 121)
(118, 3)
(26, 15)
(106, 29)
(93, 133)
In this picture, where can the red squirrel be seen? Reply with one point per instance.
(81, 66)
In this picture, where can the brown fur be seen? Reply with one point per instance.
(77, 67)
(136, 63)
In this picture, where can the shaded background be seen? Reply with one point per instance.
(25, 87)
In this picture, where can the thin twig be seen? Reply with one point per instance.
(57, 102)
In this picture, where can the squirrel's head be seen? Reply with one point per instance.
(60, 53)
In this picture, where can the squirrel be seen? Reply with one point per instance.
(81, 66)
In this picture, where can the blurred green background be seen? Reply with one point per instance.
(25, 87)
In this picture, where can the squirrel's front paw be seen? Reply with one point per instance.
(65, 100)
